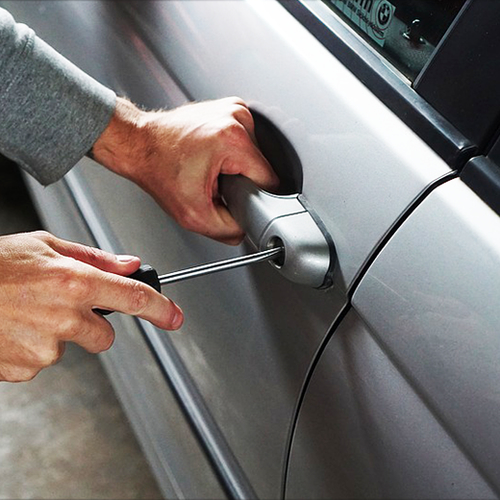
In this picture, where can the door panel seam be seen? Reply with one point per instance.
(407, 212)
(413, 205)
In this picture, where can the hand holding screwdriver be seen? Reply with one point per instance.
(49, 290)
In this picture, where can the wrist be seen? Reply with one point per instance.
(122, 145)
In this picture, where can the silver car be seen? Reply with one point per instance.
(364, 364)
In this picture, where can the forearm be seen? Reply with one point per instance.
(52, 112)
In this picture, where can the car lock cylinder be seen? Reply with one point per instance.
(271, 220)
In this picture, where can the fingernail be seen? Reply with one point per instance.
(126, 258)
(178, 319)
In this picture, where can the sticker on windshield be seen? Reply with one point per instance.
(372, 16)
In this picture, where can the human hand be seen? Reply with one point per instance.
(48, 291)
(177, 156)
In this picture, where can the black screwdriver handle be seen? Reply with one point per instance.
(146, 274)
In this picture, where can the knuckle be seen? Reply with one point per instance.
(233, 133)
(73, 282)
(69, 326)
(138, 298)
(48, 356)
(30, 373)
(242, 113)
(190, 218)
(236, 100)
(107, 341)
(45, 237)
(94, 255)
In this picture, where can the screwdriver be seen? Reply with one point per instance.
(148, 274)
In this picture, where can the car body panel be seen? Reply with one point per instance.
(353, 151)
(232, 317)
(404, 402)
(365, 432)
(250, 336)
(442, 326)
(242, 343)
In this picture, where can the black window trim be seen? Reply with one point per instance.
(466, 61)
(373, 71)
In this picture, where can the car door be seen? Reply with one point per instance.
(215, 406)
(402, 402)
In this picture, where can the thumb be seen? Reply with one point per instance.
(106, 261)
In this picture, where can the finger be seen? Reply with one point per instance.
(93, 333)
(117, 293)
(251, 163)
(221, 225)
(240, 111)
(106, 261)
(38, 353)
(211, 219)
(209, 216)
(235, 100)
(61, 348)
(17, 373)
(243, 115)
(45, 354)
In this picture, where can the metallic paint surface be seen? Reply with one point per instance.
(432, 300)
(366, 431)
(358, 174)
(236, 342)
(250, 336)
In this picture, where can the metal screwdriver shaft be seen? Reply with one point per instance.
(221, 265)
(148, 274)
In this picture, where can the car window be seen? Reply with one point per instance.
(405, 32)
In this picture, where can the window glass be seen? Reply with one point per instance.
(406, 32)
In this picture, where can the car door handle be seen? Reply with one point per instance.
(271, 220)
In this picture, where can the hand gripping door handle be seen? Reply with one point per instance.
(271, 220)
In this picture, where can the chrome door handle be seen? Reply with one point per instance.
(282, 220)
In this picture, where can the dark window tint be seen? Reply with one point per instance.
(406, 32)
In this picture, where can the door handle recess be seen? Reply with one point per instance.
(271, 220)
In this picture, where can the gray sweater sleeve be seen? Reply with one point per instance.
(51, 112)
